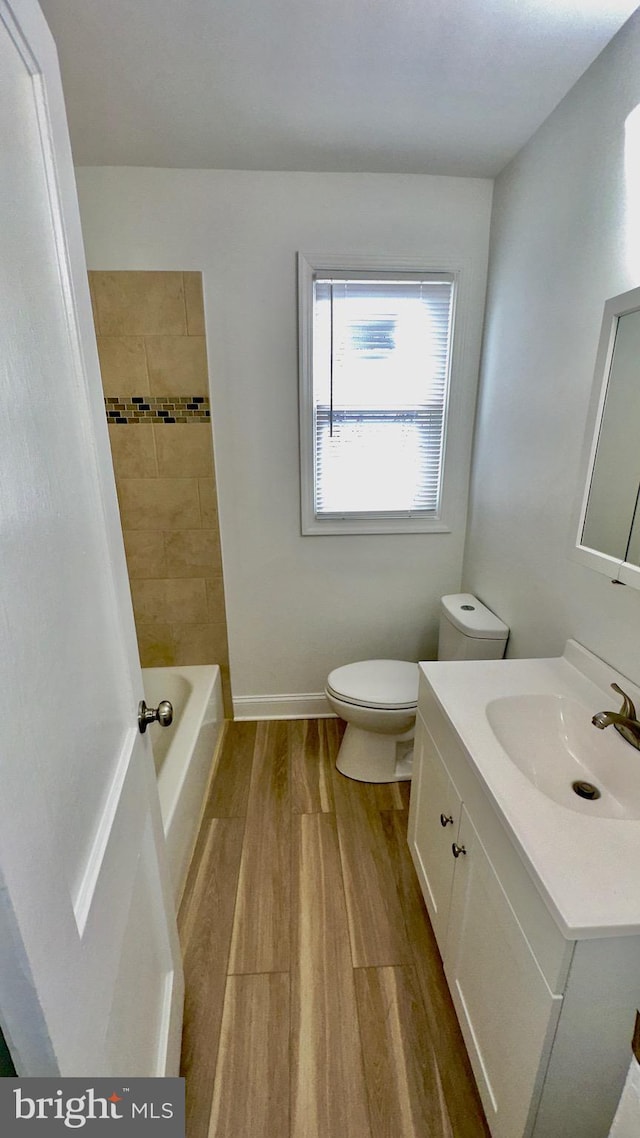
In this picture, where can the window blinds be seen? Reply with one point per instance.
(381, 351)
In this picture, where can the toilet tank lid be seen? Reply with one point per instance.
(471, 617)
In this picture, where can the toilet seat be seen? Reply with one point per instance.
(388, 684)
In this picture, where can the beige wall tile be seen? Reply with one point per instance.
(139, 303)
(208, 503)
(155, 645)
(152, 342)
(227, 696)
(149, 601)
(93, 304)
(215, 599)
(159, 503)
(184, 449)
(145, 553)
(186, 600)
(133, 450)
(194, 302)
(200, 643)
(123, 364)
(193, 553)
(177, 365)
(220, 640)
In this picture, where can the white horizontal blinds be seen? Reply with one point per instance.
(381, 350)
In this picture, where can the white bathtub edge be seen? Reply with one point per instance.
(180, 887)
(187, 769)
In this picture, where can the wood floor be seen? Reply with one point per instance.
(315, 1001)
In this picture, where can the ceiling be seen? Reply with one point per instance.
(391, 86)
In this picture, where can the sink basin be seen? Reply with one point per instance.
(551, 739)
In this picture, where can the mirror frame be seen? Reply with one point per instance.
(618, 571)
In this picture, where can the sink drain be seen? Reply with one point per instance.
(585, 790)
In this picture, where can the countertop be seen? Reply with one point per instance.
(587, 868)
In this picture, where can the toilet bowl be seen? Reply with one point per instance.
(378, 698)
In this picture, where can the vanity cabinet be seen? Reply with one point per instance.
(506, 1010)
(547, 1021)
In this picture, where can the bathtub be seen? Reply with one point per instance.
(184, 754)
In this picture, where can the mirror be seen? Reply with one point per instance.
(609, 527)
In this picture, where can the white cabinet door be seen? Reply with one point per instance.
(90, 972)
(433, 826)
(506, 1011)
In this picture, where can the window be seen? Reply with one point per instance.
(375, 365)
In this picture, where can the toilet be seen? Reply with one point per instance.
(378, 698)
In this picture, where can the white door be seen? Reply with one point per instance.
(90, 975)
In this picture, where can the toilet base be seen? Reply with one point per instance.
(368, 757)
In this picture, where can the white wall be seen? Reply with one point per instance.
(296, 606)
(565, 236)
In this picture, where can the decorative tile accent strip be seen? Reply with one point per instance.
(157, 409)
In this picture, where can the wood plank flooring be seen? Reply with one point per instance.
(316, 1006)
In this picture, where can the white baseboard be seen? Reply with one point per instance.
(307, 705)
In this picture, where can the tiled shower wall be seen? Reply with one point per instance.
(151, 342)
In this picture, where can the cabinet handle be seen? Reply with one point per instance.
(445, 819)
(457, 850)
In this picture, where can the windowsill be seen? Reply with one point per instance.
(314, 527)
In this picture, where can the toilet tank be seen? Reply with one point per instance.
(469, 630)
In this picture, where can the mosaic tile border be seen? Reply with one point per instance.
(157, 409)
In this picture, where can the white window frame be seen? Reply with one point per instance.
(308, 267)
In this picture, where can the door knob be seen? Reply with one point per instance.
(162, 714)
(457, 850)
(446, 820)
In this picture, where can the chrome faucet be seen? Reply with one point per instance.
(625, 721)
